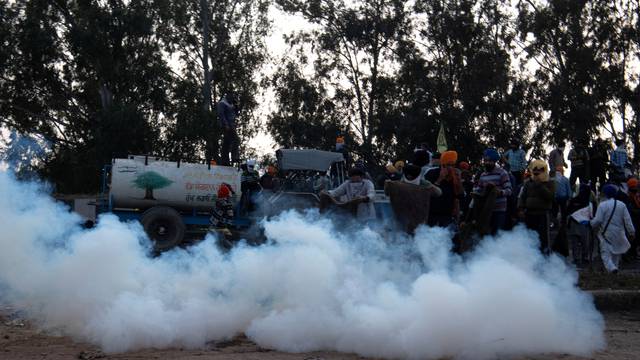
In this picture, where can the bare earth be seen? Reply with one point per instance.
(19, 340)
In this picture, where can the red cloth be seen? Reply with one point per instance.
(223, 191)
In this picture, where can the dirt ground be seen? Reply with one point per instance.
(19, 340)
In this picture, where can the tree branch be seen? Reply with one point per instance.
(57, 123)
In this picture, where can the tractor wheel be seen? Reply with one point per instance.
(164, 226)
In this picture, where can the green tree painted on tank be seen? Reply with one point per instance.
(150, 181)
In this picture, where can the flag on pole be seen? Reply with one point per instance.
(442, 140)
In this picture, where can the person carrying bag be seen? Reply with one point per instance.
(615, 222)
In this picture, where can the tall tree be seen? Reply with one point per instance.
(223, 55)
(579, 70)
(628, 35)
(103, 78)
(305, 115)
(353, 51)
(458, 73)
(90, 78)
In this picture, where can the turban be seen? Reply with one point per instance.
(448, 158)
(610, 190)
(223, 191)
(491, 154)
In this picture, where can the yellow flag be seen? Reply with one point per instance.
(442, 140)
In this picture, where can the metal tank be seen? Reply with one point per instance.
(141, 182)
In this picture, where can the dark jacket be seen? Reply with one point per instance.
(634, 209)
(250, 181)
(269, 182)
(537, 197)
(444, 204)
(387, 176)
(226, 114)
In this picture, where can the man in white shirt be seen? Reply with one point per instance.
(360, 190)
(614, 224)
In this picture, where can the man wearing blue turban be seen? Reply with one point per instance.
(494, 178)
(613, 223)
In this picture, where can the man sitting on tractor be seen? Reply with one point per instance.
(356, 194)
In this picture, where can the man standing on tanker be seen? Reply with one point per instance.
(227, 110)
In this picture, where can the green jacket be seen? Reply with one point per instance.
(537, 196)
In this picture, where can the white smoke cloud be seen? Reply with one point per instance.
(311, 288)
(22, 153)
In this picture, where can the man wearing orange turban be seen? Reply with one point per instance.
(448, 158)
(445, 209)
(634, 211)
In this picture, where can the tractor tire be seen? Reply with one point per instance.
(164, 226)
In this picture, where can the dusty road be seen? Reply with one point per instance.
(19, 340)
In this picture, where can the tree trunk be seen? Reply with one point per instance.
(211, 147)
(148, 194)
(635, 137)
(206, 86)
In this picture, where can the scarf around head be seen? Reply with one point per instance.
(544, 176)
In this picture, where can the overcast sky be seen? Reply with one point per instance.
(282, 24)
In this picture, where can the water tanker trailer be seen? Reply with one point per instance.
(166, 197)
(169, 198)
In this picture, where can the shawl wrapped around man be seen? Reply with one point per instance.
(410, 203)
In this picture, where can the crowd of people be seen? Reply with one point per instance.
(588, 213)
(595, 210)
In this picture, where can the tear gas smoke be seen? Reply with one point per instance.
(22, 153)
(312, 287)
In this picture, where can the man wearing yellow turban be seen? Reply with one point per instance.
(535, 201)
